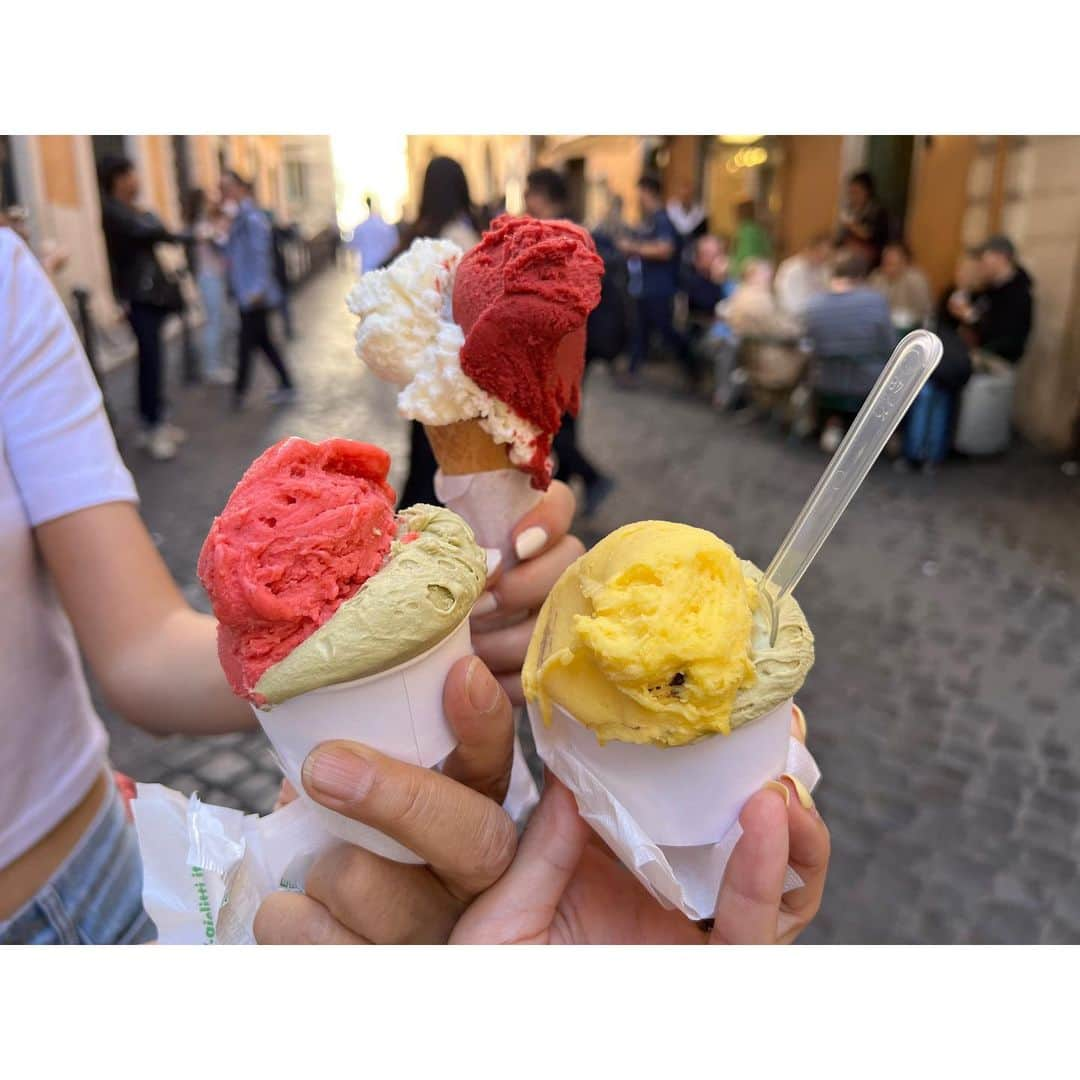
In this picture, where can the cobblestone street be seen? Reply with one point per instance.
(946, 610)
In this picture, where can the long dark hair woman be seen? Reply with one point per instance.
(446, 213)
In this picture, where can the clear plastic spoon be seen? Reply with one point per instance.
(897, 387)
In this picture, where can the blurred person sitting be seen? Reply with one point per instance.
(767, 335)
(904, 286)
(961, 291)
(864, 222)
(928, 426)
(145, 291)
(254, 283)
(997, 318)
(210, 228)
(446, 213)
(686, 213)
(705, 279)
(852, 337)
(373, 241)
(751, 239)
(804, 275)
(546, 197)
(652, 254)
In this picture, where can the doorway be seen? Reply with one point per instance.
(888, 159)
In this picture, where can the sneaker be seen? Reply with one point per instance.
(176, 433)
(285, 396)
(160, 444)
(1070, 468)
(597, 492)
(831, 438)
(220, 377)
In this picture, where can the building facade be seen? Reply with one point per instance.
(54, 177)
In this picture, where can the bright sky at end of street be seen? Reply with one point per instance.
(369, 164)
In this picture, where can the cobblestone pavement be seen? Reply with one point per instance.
(946, 609)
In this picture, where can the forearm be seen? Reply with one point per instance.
(154, 657)
(171, 682)
(656, 251)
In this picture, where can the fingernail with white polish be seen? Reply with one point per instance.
(494, 560)
(531, 542)
(486, 604)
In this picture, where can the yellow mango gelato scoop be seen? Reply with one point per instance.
(657, 635)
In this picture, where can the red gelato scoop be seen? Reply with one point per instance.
(306, 526)
(522, 296)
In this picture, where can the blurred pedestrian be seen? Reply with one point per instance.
(751, 239)
(997, 318)
(608, 328)
(804, 275)
(652, 253)
(446, 212)
(546, 196)
(210, 229)
(283, 235)
(851, 333)
(146, 292)
(254, 284)
(687, 213)
(904, 286)
(373, 240)
(864, 222)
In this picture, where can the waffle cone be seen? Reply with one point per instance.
(465, 447)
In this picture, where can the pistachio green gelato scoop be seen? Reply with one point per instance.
(427, 587)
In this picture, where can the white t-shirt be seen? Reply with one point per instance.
(57, 455)
(798, 281)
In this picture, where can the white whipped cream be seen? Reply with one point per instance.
(407, 335)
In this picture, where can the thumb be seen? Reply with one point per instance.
(749, 903)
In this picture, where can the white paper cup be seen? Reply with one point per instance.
(680, 796)
(492, 503)
(398, 712)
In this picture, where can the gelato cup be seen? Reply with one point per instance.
(398, 712)
(492, 503)
(682, 796)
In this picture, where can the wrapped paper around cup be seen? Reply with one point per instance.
(398, 712)
(206, 869)
(492, 503)
(671, 814)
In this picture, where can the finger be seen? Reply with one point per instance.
(526, 586)
(521, 905)
(809, 851)
(386, 902)
(798, 723)
(288, 918)
(481, 715)
(749, 902)
(514, 690)
(546, 523)
(504, 650)
(286, 795)
(466, 838)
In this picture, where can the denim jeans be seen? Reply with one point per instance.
(928, 433)
(212, 289)
(146, 324)
(95, 897)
